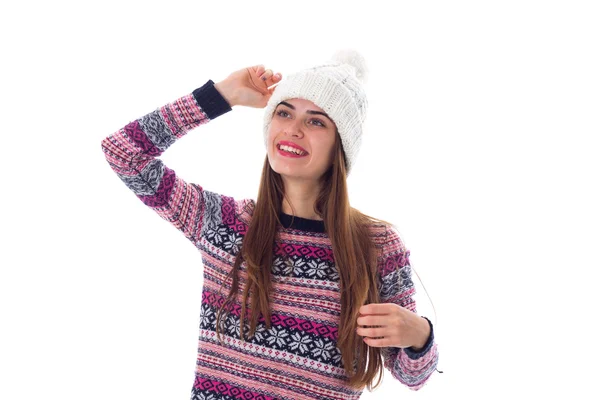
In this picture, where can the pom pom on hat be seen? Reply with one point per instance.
(354, 59)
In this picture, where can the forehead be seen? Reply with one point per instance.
(303, 104)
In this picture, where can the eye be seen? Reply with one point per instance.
(282, 112)
(319, 121)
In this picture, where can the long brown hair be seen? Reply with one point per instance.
(355, 257)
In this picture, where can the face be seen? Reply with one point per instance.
(303, 124)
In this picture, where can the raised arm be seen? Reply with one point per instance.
(132, 152)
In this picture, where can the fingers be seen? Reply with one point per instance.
(259, 69)
(267, 75)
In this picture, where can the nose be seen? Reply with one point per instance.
(294, 128)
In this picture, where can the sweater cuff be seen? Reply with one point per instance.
(412, 354)
(210, 100)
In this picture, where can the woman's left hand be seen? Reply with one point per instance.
(392, 325)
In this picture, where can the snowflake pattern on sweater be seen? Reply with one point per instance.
(298, 357)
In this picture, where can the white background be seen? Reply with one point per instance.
(480, 145)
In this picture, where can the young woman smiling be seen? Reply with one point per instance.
(313, 287)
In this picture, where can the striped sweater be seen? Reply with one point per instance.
(297, 358)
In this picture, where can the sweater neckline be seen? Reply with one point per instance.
(302, 224)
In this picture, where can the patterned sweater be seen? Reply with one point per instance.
(297, 358)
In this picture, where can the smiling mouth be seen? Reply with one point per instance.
(291, 151)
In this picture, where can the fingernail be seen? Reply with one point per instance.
(264, 78)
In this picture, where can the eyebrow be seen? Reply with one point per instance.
(307, 111)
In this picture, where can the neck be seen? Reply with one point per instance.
(302, 197)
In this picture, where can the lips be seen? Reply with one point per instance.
(291, 144)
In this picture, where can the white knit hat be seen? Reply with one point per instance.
(336, 87)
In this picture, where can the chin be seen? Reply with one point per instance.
(289, 172)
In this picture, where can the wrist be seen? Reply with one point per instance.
(424, 336)
(210, 100)
(227, 93)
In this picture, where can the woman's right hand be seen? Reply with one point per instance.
(246, 87)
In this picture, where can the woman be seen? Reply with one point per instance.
(309, 323)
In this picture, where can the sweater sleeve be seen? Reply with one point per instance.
(132, 153)
(411, 368)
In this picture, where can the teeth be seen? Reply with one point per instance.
(291, 150)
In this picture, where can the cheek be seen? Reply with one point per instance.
(330, 145)
(270, 135)
(324, 153)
